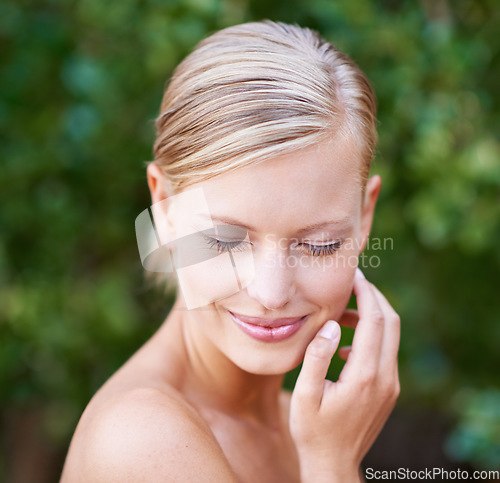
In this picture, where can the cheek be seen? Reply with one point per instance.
(213, 279)
(329, 286)
(207, 282)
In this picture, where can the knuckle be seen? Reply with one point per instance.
(377, 317)
(387, 392)
(396, 320)
(390, 392)
(397, 389)
(320, 348)
(367, 378)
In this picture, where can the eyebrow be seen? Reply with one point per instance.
(302, 231)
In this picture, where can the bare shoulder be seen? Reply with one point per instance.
(145, 434)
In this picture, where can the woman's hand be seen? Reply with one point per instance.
(334, 424)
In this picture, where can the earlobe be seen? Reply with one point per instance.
(373, 186)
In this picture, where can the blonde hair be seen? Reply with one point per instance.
(255, 91)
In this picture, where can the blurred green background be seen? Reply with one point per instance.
(81, 82)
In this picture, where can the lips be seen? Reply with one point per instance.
(268, 330)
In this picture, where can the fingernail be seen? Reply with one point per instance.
(359, 273)
(330, 330)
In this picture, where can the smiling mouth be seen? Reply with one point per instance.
(268, 330)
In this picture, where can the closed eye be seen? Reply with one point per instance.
(227, 246)
(320, 250)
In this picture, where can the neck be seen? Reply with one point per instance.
(211, 379)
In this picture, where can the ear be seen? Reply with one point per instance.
(157, 183)
(372, 191)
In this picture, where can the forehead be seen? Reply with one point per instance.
(310, 185)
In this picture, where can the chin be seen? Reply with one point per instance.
(266, 364)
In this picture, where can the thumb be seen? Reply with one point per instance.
(311, 381)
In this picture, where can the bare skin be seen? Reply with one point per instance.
(203, 401)
(147, 398)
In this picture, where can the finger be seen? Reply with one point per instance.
(349, 318)
(392, 333)
(344, 352)
(383, 302)
(369, 334)
(311, 381)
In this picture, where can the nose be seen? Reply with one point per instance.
(273, 285)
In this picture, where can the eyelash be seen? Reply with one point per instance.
(239, 246)
(223, 247)
(322, 250)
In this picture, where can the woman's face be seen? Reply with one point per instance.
(300, 221)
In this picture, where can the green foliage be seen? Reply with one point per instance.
(81, 82)
(477, 437)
